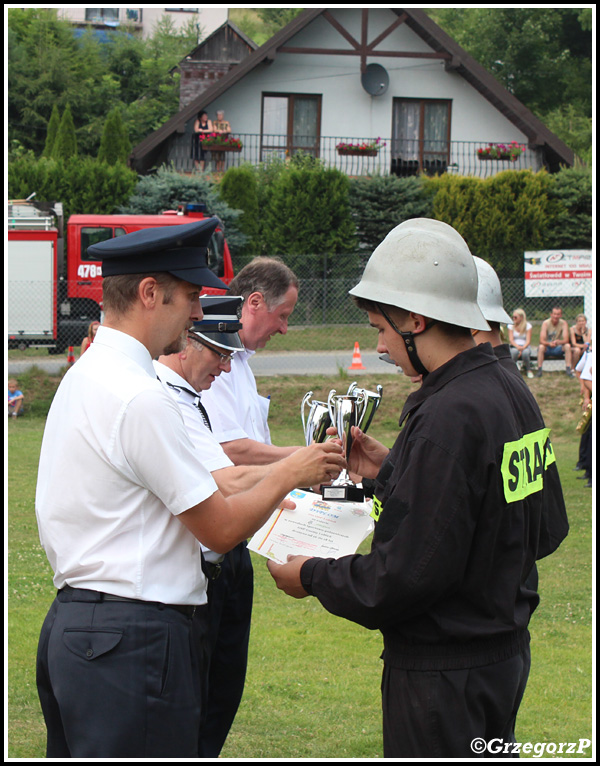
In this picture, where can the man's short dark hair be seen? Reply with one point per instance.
(119, 292)
(266, 275)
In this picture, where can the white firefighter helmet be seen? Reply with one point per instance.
(424, 266)
(489, 293)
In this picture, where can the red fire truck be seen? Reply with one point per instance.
(53, 295)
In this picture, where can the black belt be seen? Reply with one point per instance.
(94, 596)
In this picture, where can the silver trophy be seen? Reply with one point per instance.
(370, 404)
(356, 408)
(318, 420)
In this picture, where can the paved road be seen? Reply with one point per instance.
(262, 363)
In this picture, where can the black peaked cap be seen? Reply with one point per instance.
(179, 249)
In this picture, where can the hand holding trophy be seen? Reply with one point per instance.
(356, 408)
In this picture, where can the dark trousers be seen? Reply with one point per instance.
(118, 680)
(585, 451)
(228, 626)
(438, 714)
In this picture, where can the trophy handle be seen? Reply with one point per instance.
(330, 399)
(302, 407)
(351, 388)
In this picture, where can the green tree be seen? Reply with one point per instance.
(53, 126)
(260, 24)
(65, 145)
(48, 64)
(541, 55)
(115, 145)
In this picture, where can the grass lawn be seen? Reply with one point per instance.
(313, 680)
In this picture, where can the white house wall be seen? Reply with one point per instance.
(348, 112)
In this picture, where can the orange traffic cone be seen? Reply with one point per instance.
(70, 356)
(356, 360)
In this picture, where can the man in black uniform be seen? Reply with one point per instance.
(466, 501)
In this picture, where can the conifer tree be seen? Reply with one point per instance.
(51, 131)
(65, 145)
(114, 144)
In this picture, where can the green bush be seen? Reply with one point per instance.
(572, 227)
(308, 211)
(380, 203)
(239, 189)
(82, 184)
(500, 217)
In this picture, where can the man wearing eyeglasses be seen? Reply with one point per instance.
(211, 345)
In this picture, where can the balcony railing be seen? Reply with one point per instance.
(395, 156)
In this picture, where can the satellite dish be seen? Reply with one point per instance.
(375, 80)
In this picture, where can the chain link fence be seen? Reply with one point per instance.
(325, 318)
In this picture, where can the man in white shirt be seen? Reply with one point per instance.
(122, 501)
(238, 415)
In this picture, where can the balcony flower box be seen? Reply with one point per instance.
(363, 149)
(217, 142)
(508, 152)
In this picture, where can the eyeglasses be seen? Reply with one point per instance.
(223, 358)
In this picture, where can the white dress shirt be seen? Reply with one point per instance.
(235, 408)
(116, 468)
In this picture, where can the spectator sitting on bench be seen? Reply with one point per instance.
(580, 338)
(554, 341)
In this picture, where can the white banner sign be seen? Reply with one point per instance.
(557, 272)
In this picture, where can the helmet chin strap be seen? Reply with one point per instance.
(409, 342)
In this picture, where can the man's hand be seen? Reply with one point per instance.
(317, 464)
(287, 576)
(367, 454)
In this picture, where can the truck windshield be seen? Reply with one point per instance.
(91, 235)
(215, 252)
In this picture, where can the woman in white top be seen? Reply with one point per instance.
(519, 339)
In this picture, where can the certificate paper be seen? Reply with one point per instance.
(314, 528)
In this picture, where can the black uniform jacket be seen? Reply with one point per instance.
(468, 500)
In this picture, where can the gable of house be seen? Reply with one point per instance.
(212, 59)
(312, 72)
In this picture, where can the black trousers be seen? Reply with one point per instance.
(118, 680)
(228, 633)
(438, 714)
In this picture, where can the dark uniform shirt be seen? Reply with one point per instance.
(468, 500)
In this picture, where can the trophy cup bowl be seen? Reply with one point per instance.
(370, 401)
(344, 412)
(317, 421)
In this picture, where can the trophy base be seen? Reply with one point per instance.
(343, 494)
